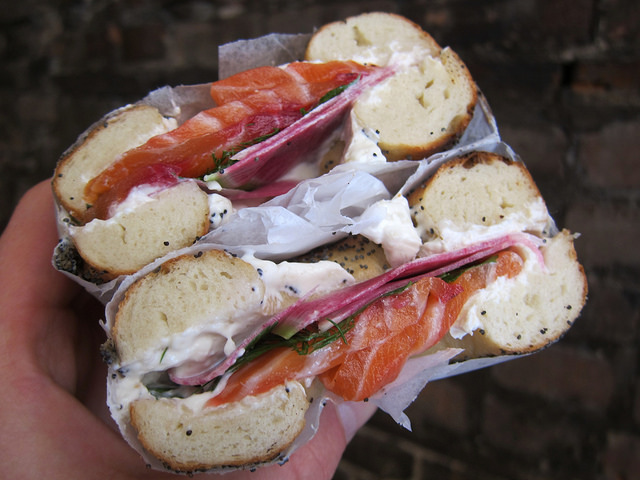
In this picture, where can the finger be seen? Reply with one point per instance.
(39, 333)
(26, 249)
(319, 458)
(354, 415)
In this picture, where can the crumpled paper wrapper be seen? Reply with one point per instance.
(315, 212)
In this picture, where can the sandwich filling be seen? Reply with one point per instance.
(347, 338)
(298, 104)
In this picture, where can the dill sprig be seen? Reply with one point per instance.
(310, 338)
(226, 156)
(303, 342)
(453, 275)
(336, 91)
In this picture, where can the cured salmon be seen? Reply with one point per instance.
(359, 362)
(251, 106)
(346, 302)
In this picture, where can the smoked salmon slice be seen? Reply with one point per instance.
(251, 106)
(298, 82)
(385, 334)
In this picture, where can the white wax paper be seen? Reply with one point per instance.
(269, 50)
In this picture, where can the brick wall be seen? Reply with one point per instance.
(563, 79)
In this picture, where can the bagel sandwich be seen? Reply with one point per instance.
(157, 176)
(222, 361)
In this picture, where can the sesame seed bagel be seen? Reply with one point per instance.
(184, 317)
(171, 219)
(186, 312)
(177, 316)
(480, 189)
(179, 333)
(526, 313)
(207, 290)
(370, 38)
(421, 110)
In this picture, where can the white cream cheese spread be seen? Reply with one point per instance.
(388, 223)
(470, 318)
(453, 237)
(299, 279)
(220, 208)
(361, 143)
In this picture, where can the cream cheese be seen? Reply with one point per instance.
(137, 196)
(452, 237)
(303, 170)
(361, 143)
(220, 208)
(299, 279)
(379, 55)
(388, 223)
(471, 317)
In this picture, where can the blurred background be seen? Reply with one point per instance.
(563, 80)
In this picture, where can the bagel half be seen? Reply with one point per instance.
(426, 106)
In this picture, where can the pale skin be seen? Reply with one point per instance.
(53, 417)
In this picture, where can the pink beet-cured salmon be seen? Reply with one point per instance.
(346, 302)
(251, 106)
(385, 334)
(385, 322)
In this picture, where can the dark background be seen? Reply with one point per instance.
(563, 79)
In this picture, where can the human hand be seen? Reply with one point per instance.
(54, 419)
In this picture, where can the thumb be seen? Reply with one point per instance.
(353, 415)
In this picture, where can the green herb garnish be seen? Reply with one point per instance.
(163, 354)
(336, 91)
(225, 159)
(304, 342)
(453, 275)
(309, 339)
